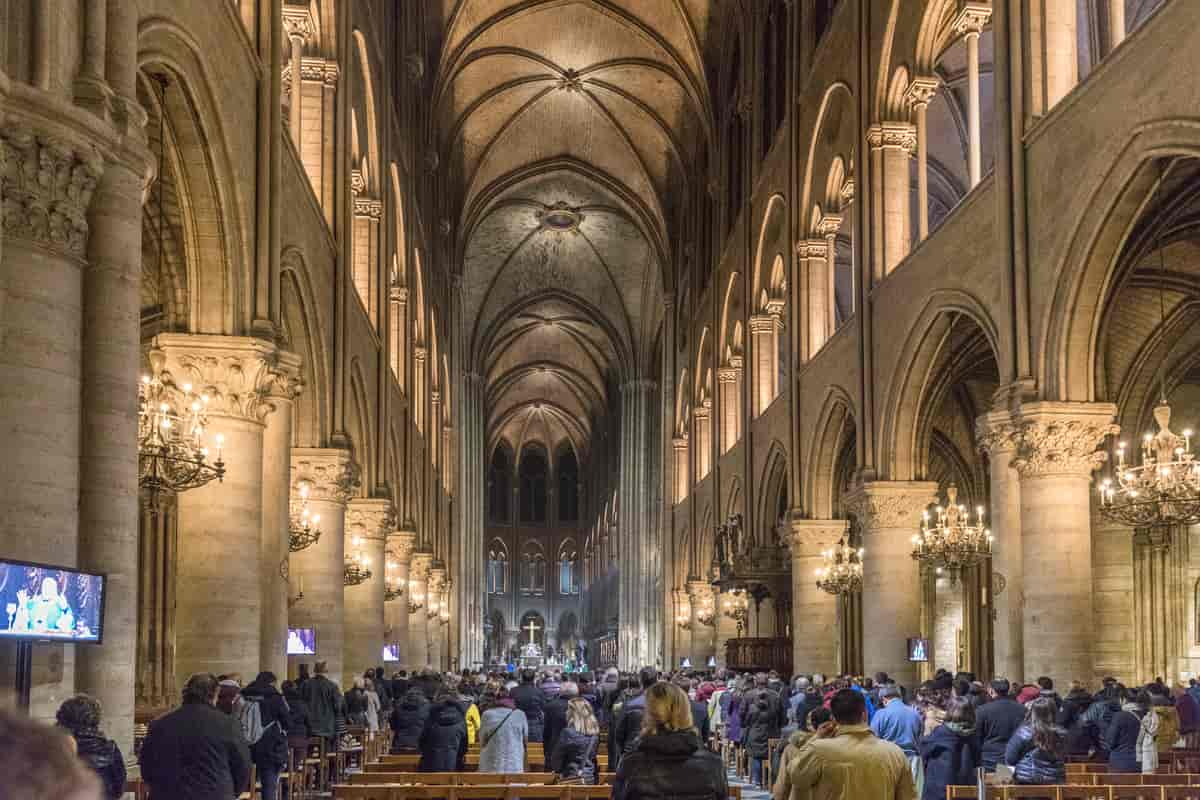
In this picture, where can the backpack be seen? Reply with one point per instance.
(249, 717)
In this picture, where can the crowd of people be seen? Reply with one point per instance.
(837, 737)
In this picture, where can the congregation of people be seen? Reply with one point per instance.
(666, 735)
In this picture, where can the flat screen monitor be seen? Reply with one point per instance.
(391, 652)
(47, 603)
(302, 642)
(918, 649)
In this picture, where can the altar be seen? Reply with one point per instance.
(531, 652)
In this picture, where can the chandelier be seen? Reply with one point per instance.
(392, 588)
(737, 608)
(416, 598)
(842, 572)
(302, 528)
(172, 454)
(683, 620)
(1163, 490)
(951, 541)
(356, 568)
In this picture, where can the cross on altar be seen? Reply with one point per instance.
(533, 628)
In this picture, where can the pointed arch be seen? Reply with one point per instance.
(835, 423)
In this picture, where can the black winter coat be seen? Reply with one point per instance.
(1031, 764)
(996, 722)
(759, 726)
(325, 705)
(574, 755)
(700, 719)
(271, 750)
(408, 721)
(555, 722)
(951, 758)
(1080, 738)
(105, 759)
(195, 753)
(443, 742)
(356, 706)
(1121, 742)
(298, 724)
(532, 701)
(671, 766)
(628, 727)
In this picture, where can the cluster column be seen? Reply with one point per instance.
(891, 146)
(1055, 458)
(814, 612)
(399, 549)
(368, 521)
(997, 436)
(418, 622)
(890, 513)
(317, 572)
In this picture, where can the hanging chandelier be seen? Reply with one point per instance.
(950, 541)
(842, 572)
(172, 454)
(392, 588)
(357, 568)
(737, 608)
(1163, 489)
(416, 598)
(303, 532)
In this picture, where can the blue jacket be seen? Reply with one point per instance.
(899, 724)
(950, 760)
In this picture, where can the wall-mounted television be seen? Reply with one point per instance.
(391, 652)
(43, 602)
(918, 650)
(302, 642)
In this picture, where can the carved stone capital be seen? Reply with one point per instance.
(400, 544)
(437, 579)
(847, 192)
(887, 505)
(892, 135)
(358, 184)
(728, 374)
(398, 293)
(972, 18)
(419, 355)
(812, 248)
(766, 323)
(368, 207)
(239, 374)
(829, 225)
(921, 91)
(328, 471)
(702, 411)
(811, 537)
(1061, 438)
(370, 518)
(46, 186)
(680, 443)
(997, 432)
(297, 23)
(420, 565)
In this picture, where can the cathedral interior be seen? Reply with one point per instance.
(452, 333)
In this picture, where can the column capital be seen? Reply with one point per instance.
(829, 224)
(996, 432)
(239, 374)
(885, 505)
(47, 186)
(400, 544)
(370, 517)
(357, 182)
(921, 91)
(329, 472)
(1061, 438)
(766, 323)
(679, 443)
(702, 411)
(398, 293)
(972, 18)
(846, 193)
(368, 207)
(437, 578)
(811, 537)
(419, 354)
(297, 23)
(892, 136)
(728, 374)
(811, 248)
(421, 563)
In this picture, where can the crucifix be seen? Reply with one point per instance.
(532, 627)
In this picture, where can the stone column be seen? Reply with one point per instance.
(1059, 48)
(298, 27)
(418, 622)
(437, 586)
(399, 549)
(762, 332)
(920, 93)
(890, 513)
(813, 255)
(1116, 23)
(828, 227)
(703, 415)
(1055, 458)
(969, 24)
(814, 612)
(682, 479)
(220, 568)
(276, 508)
(891, 144)
(701, 599)
(997, 436)
(368, 521)
(45, 188)
(317, 571)
(638, 549)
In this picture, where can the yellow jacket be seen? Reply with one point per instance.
(854, 765)
(472, 723)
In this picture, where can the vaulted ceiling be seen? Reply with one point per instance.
(567, 129)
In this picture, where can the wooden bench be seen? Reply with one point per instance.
(1079, 792)
(452, 778)
(508, 791)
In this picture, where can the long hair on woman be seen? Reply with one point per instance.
(667, 711)
(581, 718)
(1047, 736)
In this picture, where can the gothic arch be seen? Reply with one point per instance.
(302, 324)
(835, 422)
(772, 241)
(836, 106)
(774, 491)
(361, 428)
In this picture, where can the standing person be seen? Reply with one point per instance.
(797, 741)
(356, 703)
(80, 716)
(503, 731)
(668, 759)
(1070, 719)
(408, 721)
(1036, 751)
(298, 723)
(374, 705)
(629, 722)
(1122, 737)
(443, 743)
(1148, 731)
(466, 703)
(997, 720)
(573, 758)
(270, 752)
(302, 676)
(229, 693)
(196, 752)
(900, 724)
(384, 690)
(532, 701)
(951, 753)
(761, 724)
(325, 703)
(556, 715)
(846, 760)
(1188, 712)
